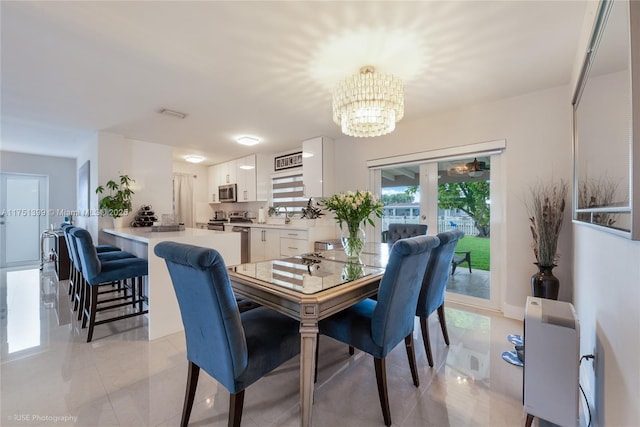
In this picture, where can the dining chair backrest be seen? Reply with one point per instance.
(437, 273)
(403, 231)
(213, 329)
(89, 263)
(394, 314)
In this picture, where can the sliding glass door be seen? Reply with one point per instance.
(464, 203)
(400, 193)
(447, 195)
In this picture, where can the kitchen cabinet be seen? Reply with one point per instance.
(246, 178)
(227, 173)
(293, 242)
(265, 244)
(214, 182)
(250, 173)
(317, 167)
(221, 174)
(275, 242)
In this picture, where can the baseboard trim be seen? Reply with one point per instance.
(513, 311)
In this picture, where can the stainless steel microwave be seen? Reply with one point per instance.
(227, 193)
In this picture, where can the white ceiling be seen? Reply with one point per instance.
(259, 68)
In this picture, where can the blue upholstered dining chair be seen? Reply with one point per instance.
(434, 286)
(98, 273)
(376, 327)
(236, 349)
(402, 231)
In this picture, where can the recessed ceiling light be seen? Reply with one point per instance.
(172, 113)
(247, 140)
(193, 159)
(247, 167)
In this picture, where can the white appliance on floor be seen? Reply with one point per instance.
(551, 361)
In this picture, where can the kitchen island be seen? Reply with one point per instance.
(164, 313)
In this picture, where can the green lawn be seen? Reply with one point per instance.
(480, 252)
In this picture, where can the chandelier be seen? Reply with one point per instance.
(368, 104)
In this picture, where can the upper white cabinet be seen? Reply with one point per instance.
(250, 173)
(214, 182)
(246, 178)
(228, 172)
(317, 167)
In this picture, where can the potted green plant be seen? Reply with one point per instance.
(117, 203)
(546, 213)
(311, 212)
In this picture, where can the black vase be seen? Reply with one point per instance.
(544, 284)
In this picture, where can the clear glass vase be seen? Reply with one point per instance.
(353, 239)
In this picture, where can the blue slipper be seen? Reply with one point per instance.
(515, 339)
(512, 357)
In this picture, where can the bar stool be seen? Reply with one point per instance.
(73, 269)
(76, 280)
(98, 273)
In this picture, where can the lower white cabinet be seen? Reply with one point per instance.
(293, 242)
(265, 244)
(272, 243)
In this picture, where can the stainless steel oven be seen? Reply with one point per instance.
(227, 193)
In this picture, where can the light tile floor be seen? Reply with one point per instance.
(51, 376)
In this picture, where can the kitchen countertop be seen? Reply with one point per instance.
(164, 313)
(301, 225)
(144, 234)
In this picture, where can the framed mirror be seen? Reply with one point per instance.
(604, 118)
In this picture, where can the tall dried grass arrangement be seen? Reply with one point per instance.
(546, 213)
(597, 193)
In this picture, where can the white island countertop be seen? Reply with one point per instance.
(145, 235)
(164, 313)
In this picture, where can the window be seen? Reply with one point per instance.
(288, 191)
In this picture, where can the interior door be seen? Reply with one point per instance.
(23, 216)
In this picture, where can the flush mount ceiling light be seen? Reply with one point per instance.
(193, 159)
(368, 104)
(247, 140)
(172, 113)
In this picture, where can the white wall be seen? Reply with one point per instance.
(152, 168)
(90, 153)
(537, 130)
(62, 175)
(149, 164)
(607, 293)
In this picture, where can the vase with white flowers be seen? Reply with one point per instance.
(355, 210)
(546, 213)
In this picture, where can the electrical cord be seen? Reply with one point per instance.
(587, 357)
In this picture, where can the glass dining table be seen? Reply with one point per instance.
(309, 288)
